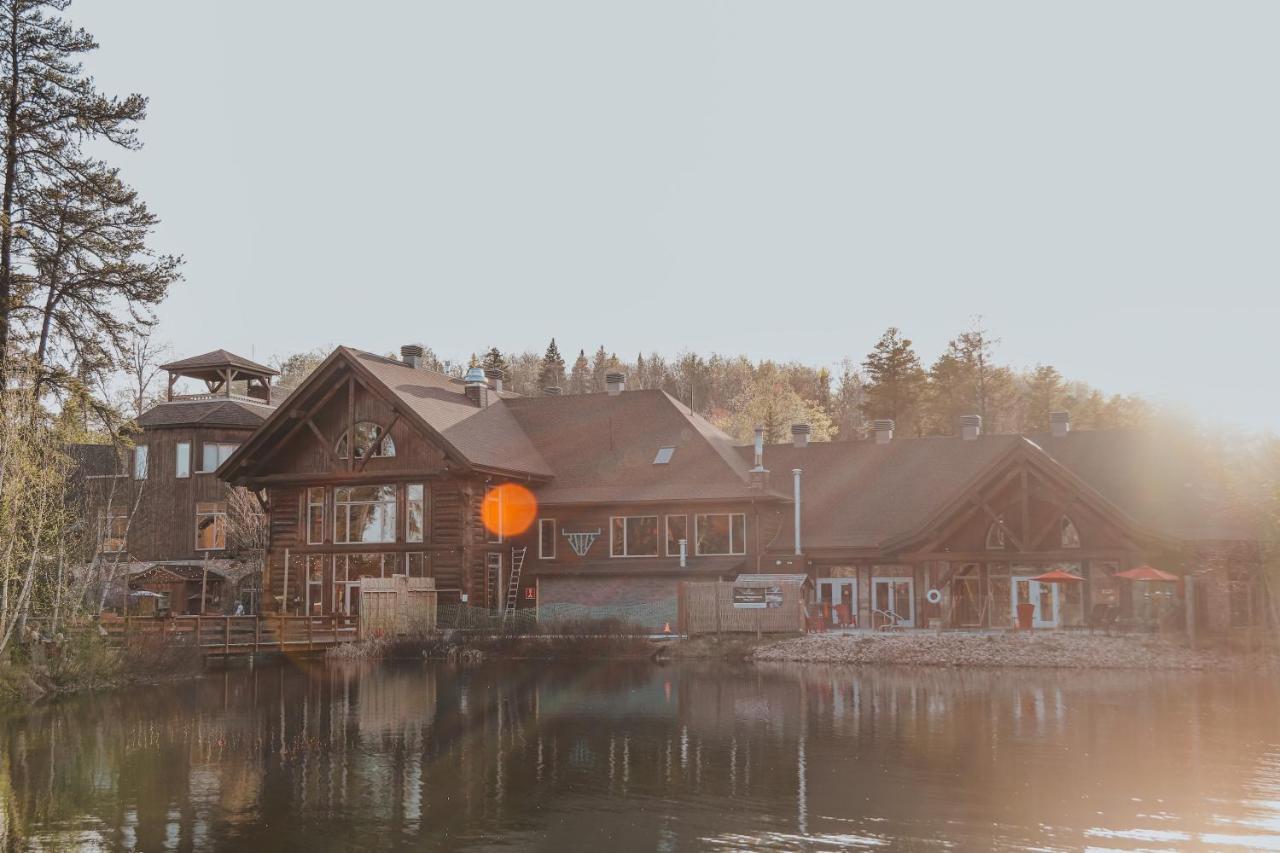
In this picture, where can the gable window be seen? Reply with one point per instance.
(633, 536)
(995, 535)
(664, 455)
(1070, 535)
(546, 539)
(113, 525)
(364, 514)
(315, 515)
(140, 462)
(369, 439)
(415, 503)
(211, 526)
(677, 529)
(182, 461)
(213, 454)
(722, 533)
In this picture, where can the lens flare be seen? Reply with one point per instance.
(508, 509)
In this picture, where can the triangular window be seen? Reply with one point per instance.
(1070, 536)
(995, 535)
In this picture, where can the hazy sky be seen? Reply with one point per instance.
(1101, 181)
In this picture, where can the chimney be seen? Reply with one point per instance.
(493, 376)
(883, 430)
(1059, 423)
(411, 354)
(476, 387)
(800, 434)
(615, 383)
(551, 391)
(759, 473)
(970, 427)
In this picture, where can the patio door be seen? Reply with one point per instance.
(348, 598)
(894, 600)
(842, 596)
(1043, 596)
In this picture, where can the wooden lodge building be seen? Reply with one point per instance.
(375, 466)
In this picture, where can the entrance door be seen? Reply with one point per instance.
(894, 599)
(840, 597)
(1043, 596)
(348, 598)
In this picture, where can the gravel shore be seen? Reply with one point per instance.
(1038, 649)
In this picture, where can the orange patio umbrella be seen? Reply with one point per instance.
(1147, 573)
(1057, 576)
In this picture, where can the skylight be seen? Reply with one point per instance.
(664, 455)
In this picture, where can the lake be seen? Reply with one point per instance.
(628, 756)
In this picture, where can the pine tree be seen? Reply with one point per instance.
(847, 404)
(895, 381)
(493, 359)
(580, 376)
(1044, 395)
(599, 367)
(552, 373)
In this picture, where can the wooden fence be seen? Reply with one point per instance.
(397, 605)
(230, 635)
(707, 607)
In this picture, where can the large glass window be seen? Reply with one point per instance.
(315, 515)
(140, 462)
(367, 436)
(546, 539)
(364, 514)
(211, 526)
(182, 460)
(415, 500)
(722, 533)
(213, 454)
(677, 529)
(633, 536)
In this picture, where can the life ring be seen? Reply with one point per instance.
(933, 596)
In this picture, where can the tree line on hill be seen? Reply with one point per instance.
(737, 393)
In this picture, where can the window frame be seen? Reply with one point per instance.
(182, 460)
(218, 515)
(495, 537)
(666, 529)
(309, 507)
(219, 444)
(1065, 524)
(423, 502)
(996, 527)
(697, 534)
(657, 547)
(346, 505)
(104, 531)
(381, 443)
(669, 450)
(542, 539)
(141, 461)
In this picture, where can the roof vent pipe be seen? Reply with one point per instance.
(883, 430)
(795, 473)
(411, 354)
(800, 434)
(759, 444)
(551, 391)
(615, 383)
(493, 376)
(970, 427)
(1059, 423)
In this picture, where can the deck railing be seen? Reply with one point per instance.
(237, 634)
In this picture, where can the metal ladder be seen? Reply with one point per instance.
(513, 581)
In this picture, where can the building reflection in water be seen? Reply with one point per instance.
(621, 757)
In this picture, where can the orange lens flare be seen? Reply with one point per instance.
(508, 509)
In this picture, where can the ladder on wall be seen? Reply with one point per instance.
(513, 581)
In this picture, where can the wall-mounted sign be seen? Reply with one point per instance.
(530, 593)
(757, 597)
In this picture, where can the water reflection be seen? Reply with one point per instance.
(637, 757)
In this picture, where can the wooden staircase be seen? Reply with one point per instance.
(513, 581)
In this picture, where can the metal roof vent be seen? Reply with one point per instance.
(477, 387)
(615, 383)
(800, 434)
(475, 376)
(883, 430)
(411, 354)
(552, 391)
(1059, 423)
(970, 427)
(494, 377)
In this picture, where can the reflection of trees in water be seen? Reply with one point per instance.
(381, 756)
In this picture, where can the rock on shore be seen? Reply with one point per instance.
(1029, 649)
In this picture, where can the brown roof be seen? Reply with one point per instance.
(218, 358)
(209, 412)
(601, 449)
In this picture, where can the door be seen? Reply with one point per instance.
(838, 598)
(349, 598)
(893, 600)
(1042, 596)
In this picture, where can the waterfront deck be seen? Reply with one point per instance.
(221, 636)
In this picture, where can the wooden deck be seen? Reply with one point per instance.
(218, 636)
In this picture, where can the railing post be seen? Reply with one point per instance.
(309, 634)
(257, 632)
(199, 635)
(226, 635)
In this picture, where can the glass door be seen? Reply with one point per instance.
(893, 602)
(838, 598)
(1044, 599)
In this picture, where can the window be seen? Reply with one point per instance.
(1070, 536)
(633, 536)
(211, 526)
(724, 533)
(314, 605)
(112, 529)
(315, 515)
(364, 514)
(367, 435)
(213, 454)
(182, 462)
(995, 535)
(664, 455)
(546, 539)
(140, 462)
(677, 529)
(415, 501)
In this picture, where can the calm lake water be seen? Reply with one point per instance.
(619, 757)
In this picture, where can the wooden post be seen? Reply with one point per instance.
(199, 636)
(284, 591)
(1189, 587)
(226, 635)
(257, 632)
(204, 582)
(310, 625)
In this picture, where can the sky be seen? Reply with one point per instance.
(1099, 181)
